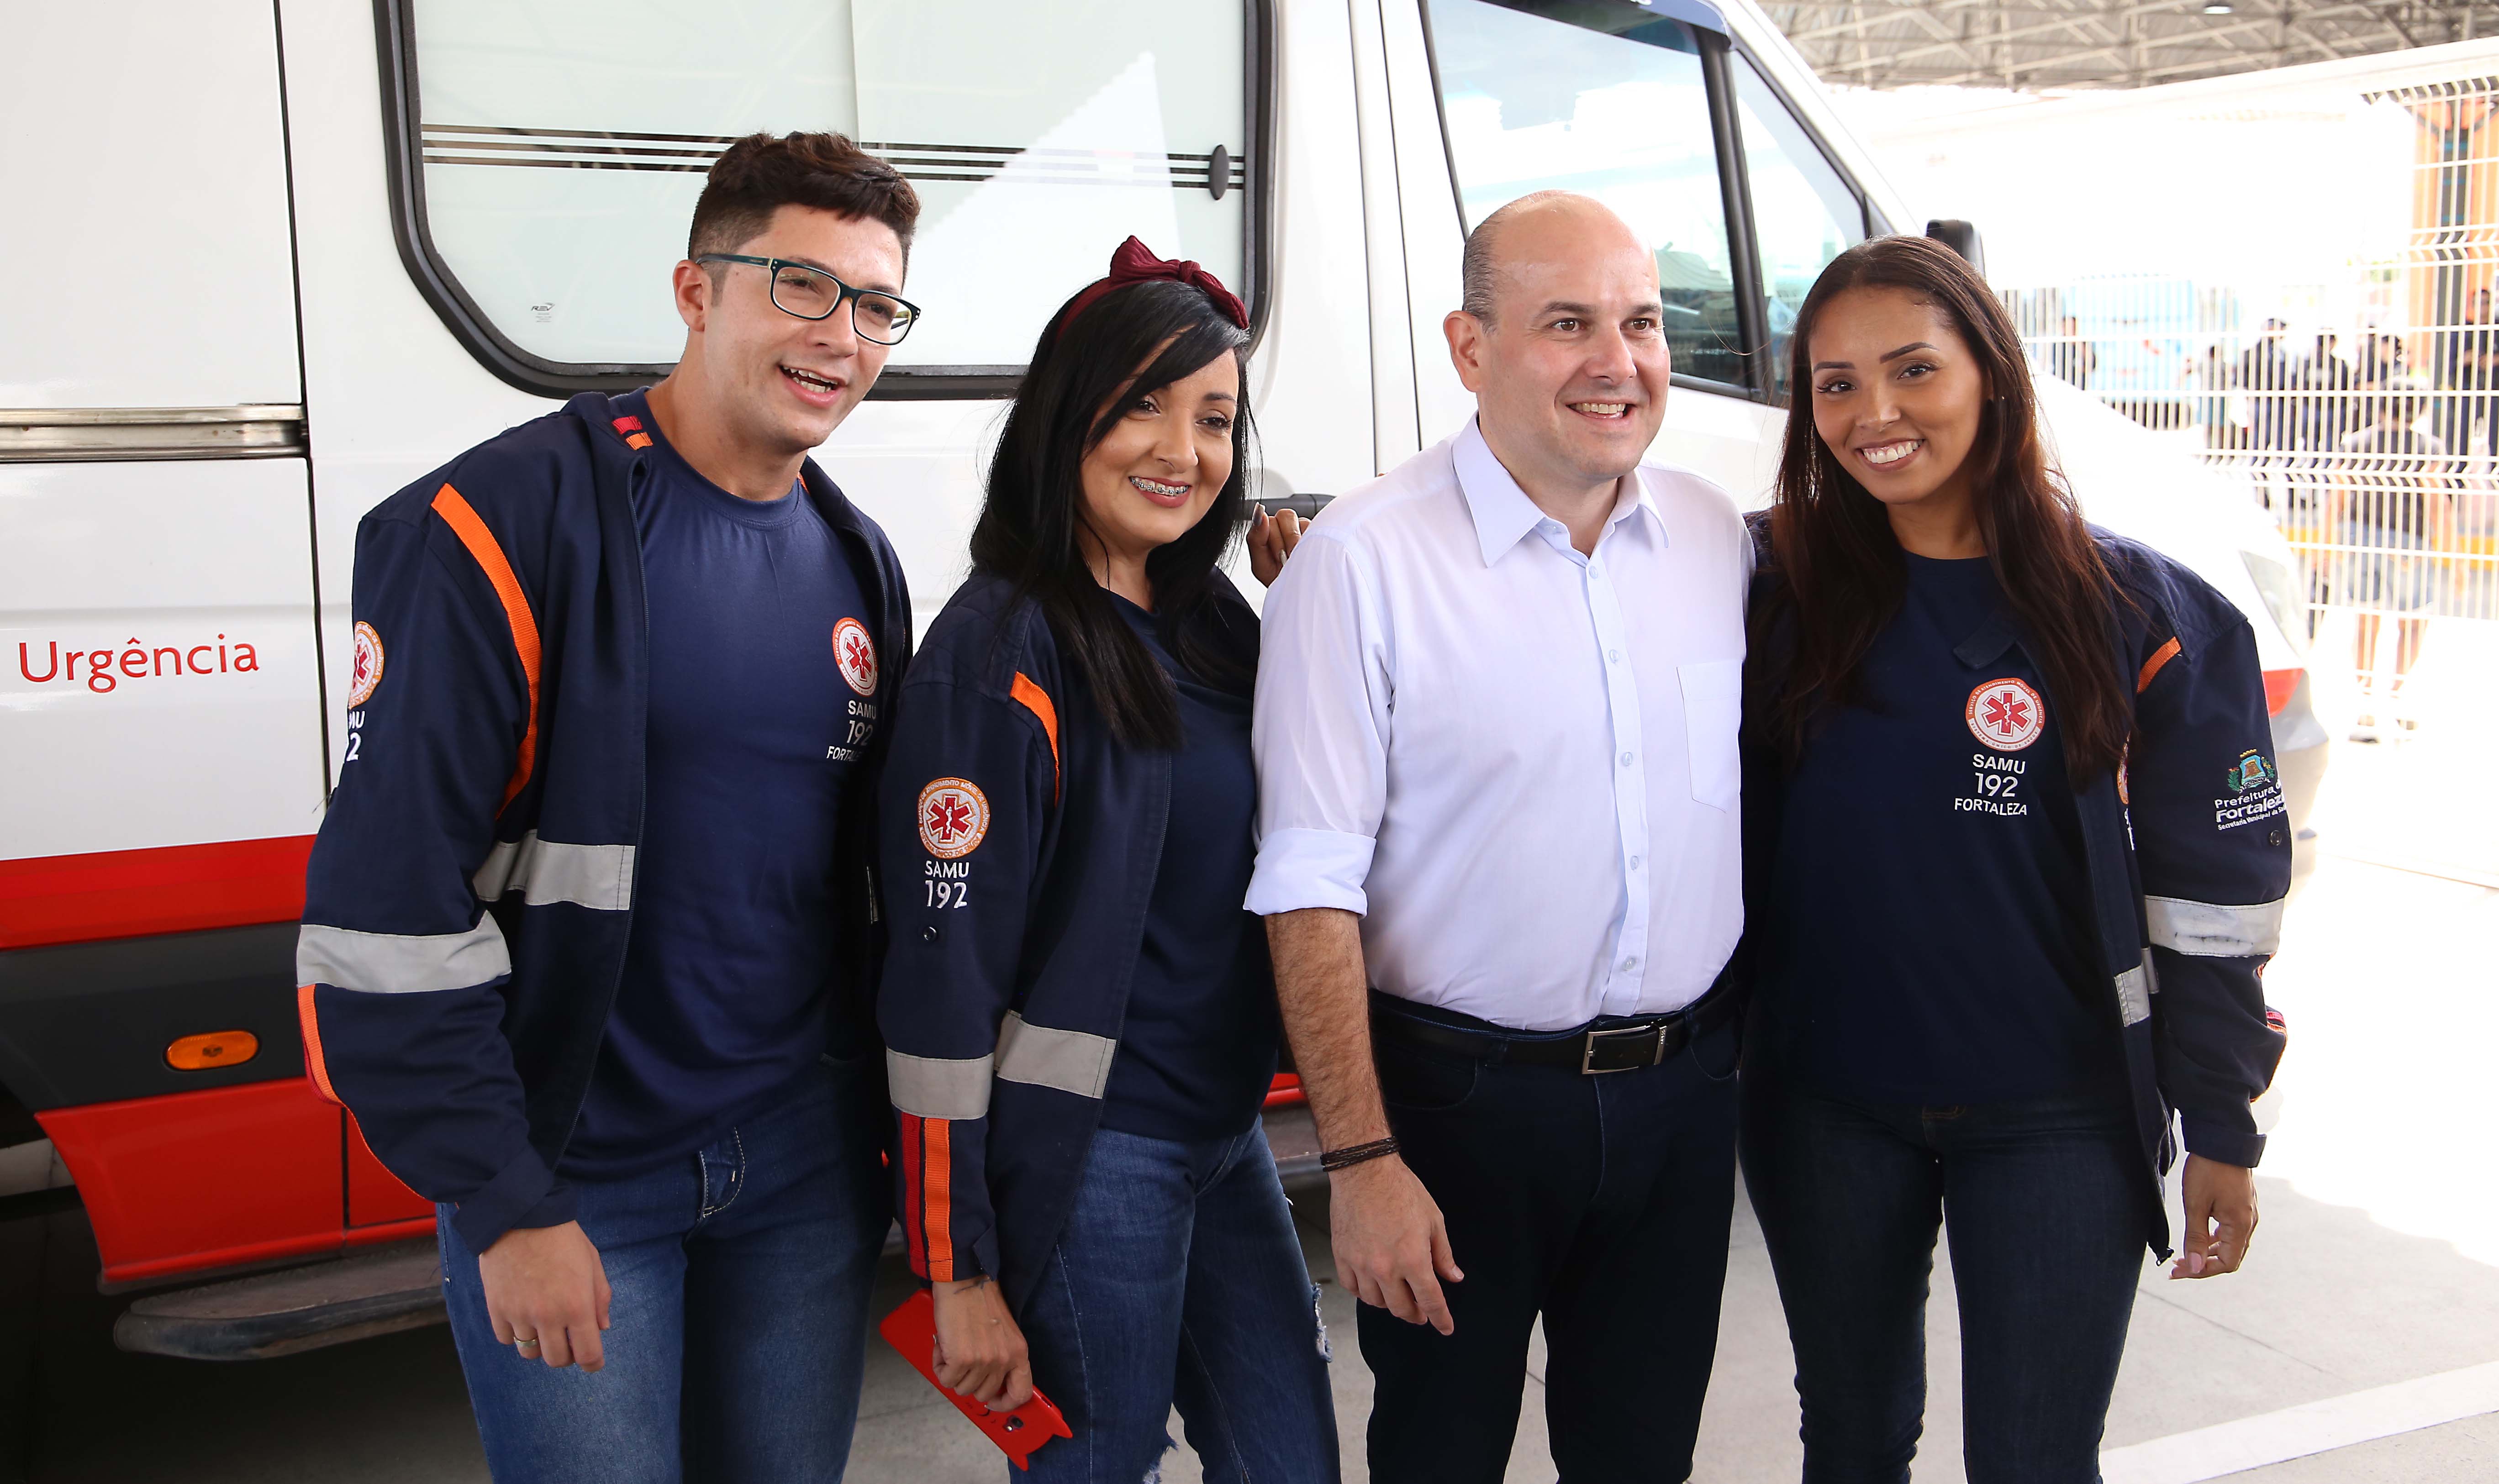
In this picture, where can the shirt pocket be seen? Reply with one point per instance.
(1713, 703)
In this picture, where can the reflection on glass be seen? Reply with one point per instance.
(1607, 102)
(563, 146)
(1804, 212)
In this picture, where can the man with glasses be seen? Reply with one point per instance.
(590, 937)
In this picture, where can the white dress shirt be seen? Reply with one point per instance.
(1518, 763)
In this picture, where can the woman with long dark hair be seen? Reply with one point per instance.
(1080, 1016)
(2015, 858)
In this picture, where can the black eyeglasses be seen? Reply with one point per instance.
(811, 293)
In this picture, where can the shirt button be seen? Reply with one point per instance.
(1614, 656)
(1627, 760)
(1630, 964)
(1636, 861)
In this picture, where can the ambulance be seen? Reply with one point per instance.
(270, 260)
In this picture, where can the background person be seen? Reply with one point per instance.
(2380, 362)
(1953, 1016)
(588, 934)
(2070, 358)
(2397, 497)
(2465, 376)
(2265, 374)
(1497, 781)
(2325, 381)
(1080, 1016)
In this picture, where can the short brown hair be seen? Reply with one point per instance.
(763, 173)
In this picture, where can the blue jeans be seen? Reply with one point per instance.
(740, 1276)
(2046, 1203)
(1178, 1280)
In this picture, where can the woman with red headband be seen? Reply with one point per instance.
(1079, 1017)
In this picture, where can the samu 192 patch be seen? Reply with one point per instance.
(365, 671)
(2006, 713)
(953, 816)
(855, 652)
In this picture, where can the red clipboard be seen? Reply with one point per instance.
(912, 1330)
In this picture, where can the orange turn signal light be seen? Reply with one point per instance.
(216, 1048)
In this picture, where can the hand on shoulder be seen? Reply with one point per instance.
(1272, 539)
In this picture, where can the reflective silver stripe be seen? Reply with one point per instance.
(599, 875)
(1071, 1061)
(2213, 930)
(390, 963)
(2134, 991)
(928, 1087)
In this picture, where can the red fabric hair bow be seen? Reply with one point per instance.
(1135, 263)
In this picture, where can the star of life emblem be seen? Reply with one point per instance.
(367, 669)
(856, 653)
(2006, 713)
(953, 816)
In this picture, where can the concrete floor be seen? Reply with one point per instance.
(2377, 1263)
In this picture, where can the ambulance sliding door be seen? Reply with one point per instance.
(160, 731)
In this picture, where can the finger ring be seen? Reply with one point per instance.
(523, 1344)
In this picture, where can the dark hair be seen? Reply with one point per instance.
(1083, 378)
(762, 173)
(1480, 262)
(1842, 566)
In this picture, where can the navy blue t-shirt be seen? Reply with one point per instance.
(1198, 1048)
(1930, 939)
(762, 700)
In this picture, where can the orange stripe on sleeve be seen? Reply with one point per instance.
(1037, 701)
(463, 519)
(316, 1065)
(2152, 666)
(915, 1238)
(936, 1186)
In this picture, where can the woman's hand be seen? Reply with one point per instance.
(2220, 1210)
(979, 1353)
(1272, 539)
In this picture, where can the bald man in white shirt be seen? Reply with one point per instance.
(1498, 856)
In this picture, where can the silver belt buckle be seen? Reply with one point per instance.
(1656, 1053)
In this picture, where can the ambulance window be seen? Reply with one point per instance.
(1609, 102)
(1804, 213)
(554, 152)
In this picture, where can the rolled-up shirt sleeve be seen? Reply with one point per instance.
(1321, 730)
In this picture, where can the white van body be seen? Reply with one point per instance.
(261, 267)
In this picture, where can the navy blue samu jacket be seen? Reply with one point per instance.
(1021, 844)
(471, 892)
(2186, 848)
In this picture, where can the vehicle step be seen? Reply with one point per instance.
(396, 1288)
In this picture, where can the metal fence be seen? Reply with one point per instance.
(2363, 412)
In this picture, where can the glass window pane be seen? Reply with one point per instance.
(1804, 212)
(1609, 102)
(565, 143)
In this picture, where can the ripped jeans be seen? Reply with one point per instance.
(1178, 1280)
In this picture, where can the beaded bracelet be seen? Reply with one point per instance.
(1342, 1159)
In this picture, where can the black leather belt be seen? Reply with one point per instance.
(1608, 1044)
